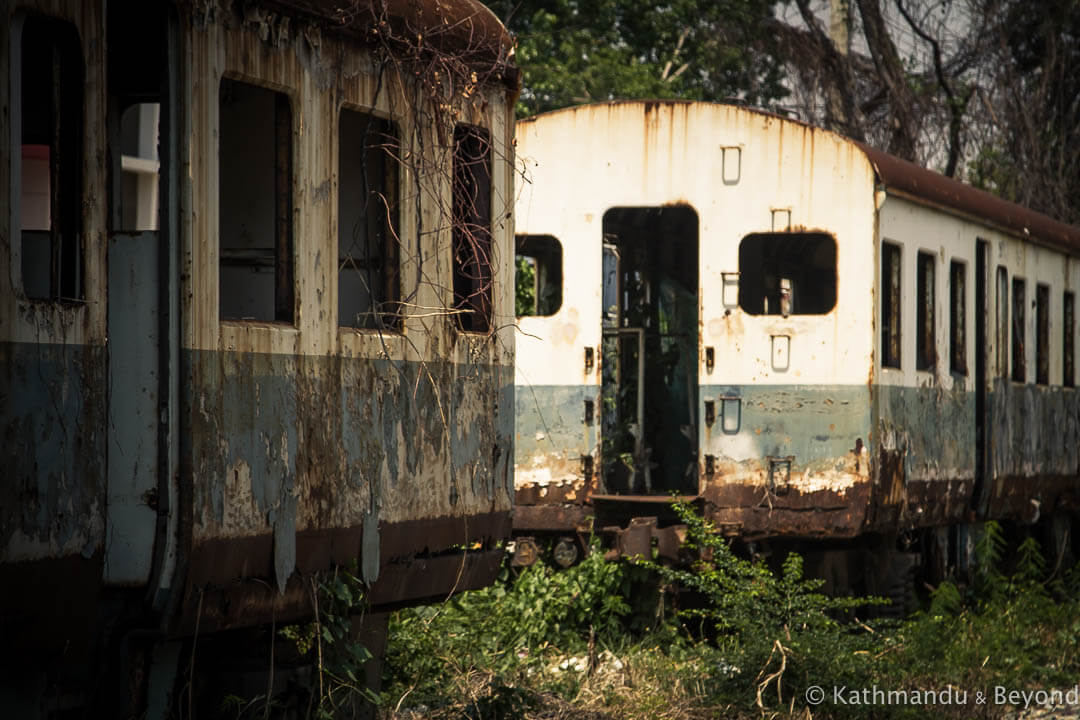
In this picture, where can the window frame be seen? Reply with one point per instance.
(958, 363)
(67, 222)
(1018, 329)
(755, 239)
(1068, 331)
(519, 240)
(473, 296)
(285, 291)
(1042, 334)
(391, 245)
(926, 356)
(892, 303)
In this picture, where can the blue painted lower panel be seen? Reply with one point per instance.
(52, 421)
(283, 444)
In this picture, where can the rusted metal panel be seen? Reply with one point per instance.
(551, 518)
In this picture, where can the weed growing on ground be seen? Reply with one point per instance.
(583, 643)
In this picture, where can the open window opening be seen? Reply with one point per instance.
(139, 167)
(472, 228)
(890, 305)
(787, 273)
(369, 275)
(1019, 368)
(538, 271)
(1069, 340)
(925, 289)
(255, 203)
(1001, 322)
(958, 317)
(1042, 334)
(50, 116)
(649, 391)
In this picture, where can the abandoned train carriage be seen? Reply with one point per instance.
(806, 336)
(254, 289)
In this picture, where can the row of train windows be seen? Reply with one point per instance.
(780, 273)
(1009, 344)
(256, 272)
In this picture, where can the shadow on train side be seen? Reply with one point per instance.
(822, 347)
(254, 326)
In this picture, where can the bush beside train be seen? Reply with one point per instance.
(255, 321)
(822, 346)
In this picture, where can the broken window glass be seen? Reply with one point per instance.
(472, 228)
(890, 305)
(539, 275)
(925, 347)
(50, 180)
(787, 273)
(369, 284)
(255, 203)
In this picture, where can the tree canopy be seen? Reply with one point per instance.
(578, 51)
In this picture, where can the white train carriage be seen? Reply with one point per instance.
(809, 337)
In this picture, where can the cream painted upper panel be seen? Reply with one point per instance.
(318, 84)
(580, 162)
(918, 228)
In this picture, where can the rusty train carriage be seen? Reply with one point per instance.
(840, 330)
(199, 409)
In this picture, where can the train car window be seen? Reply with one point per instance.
(890, 305)
(50, 115)
(139, 167)
(925, 291)
(1019, 369)
(1042, 334)
(255, 203)
(539, 284)
(1001, 326)
(957, 318)
(472, 228)
(1069, 344)
(787, 273)
(369, 277)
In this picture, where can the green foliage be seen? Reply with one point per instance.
(745, 640)
(573, 51)
(338, 659)
(508, 628)
(524, 287)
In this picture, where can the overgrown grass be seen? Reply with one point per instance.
(600, 640)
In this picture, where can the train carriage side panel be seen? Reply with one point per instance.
(53, 353)
(927, 400)
(314, 443)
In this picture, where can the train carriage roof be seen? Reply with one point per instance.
(926, 187)
(465, 29)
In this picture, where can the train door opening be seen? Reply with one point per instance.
(649, 368)
(141, 284)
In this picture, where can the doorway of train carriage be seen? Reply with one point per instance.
(649, 362)
(142, 315)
